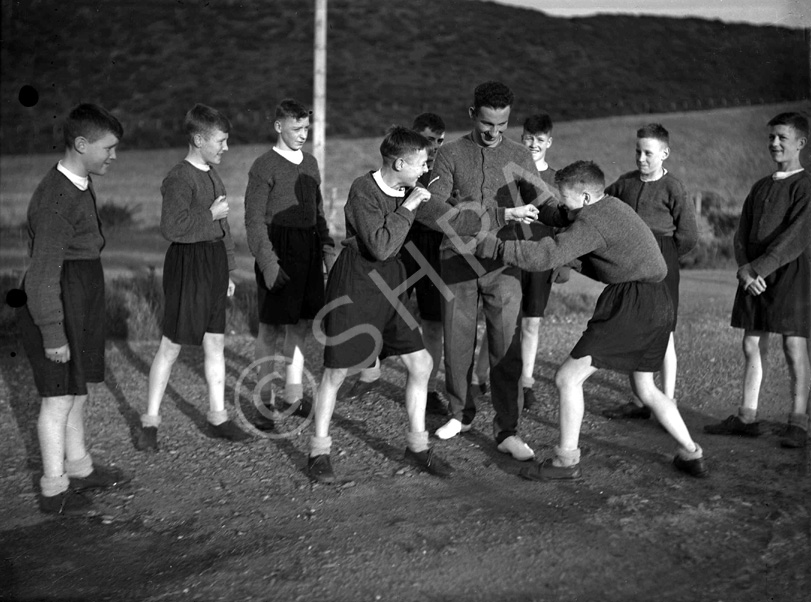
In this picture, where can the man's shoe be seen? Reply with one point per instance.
(529, 398)
(434, 405)
(695, 468)
(514, 446)
(320, 469)
(303, 407)
(734, 426)
(628, 411)
(228, 430)
(794, 437)
(102, 477)
(429, 462)
(359, 389)
(147, 439)
(547, 471)
(67, 503)
(452, 428)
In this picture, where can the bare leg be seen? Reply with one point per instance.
(432, 338)
(669, 369)
(796, 352)
(569, 380)
(755, 349)
(159, 374)
(327, 394)
(265, 346)
(663, 408)
(419, 366)
(51, 427)
(294, 354)
(214, 349)
(529, 349)
(75, 448)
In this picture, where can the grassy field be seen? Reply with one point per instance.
(721, 151)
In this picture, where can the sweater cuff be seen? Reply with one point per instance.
(53, 335)
(488, 247)
(500, 217)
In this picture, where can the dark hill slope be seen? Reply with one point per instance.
(149, 60)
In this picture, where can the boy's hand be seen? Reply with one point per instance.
(756, 287)
(526, 214)
(231, 288)
(417, 197)
(746, 276)
(219, 208)
(60, 355)
(560, 274)
(278, 283)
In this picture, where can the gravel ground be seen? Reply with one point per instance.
(208, 520)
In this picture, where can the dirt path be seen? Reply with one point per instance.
(204, 520)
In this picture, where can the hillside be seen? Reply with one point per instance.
(149, 60)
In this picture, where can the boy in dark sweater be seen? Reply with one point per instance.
(363, 312)
(62, 323)
(630, 327)
(773, 251)
(196, 281)
(661, 201)
(289, 237)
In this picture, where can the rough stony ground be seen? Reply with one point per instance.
(207, 520)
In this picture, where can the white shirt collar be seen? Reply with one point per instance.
(782, 175)
(80, 182)
(664, 173)
(200, 166)
(294, 156)
(378, 177)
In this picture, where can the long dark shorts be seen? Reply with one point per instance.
(784, 307)
(630, 328)
(82, 283)
(535, 286)
(300, 256)
(429, 300)
(668, 248)
(363, 322)
(195, 288)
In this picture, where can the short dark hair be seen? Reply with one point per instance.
(540, 123)
(290, 107)
(798, 121)
(202, 119)
(432, 121)
(401, 141)
(584, 173)
(656, 131)
(90, 121)
(492, 94)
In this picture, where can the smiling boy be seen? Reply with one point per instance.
(289, 237)
(62, 323)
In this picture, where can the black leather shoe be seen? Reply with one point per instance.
(733, 425)
(628, 411)
(102, 477)
(434, 405)
(430, 463)
(794, 437)
(695, 468)
(547, 471)
(67, 503)
(319, 469)
(147, 439)
(228, 430)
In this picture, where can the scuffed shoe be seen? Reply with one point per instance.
(359, 389)
(435, 405)
(794, 437)
(67, 503)
(452, 428)
(303, 407)
(319, 468)
(547, 471)
(515, 446)
(102, 477)
(264, 418)
(734, 426)
(147, 439)
(529, 398)
(228, 430)
(628, 411)
(695, 468)
(429, 462)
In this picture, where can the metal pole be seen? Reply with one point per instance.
(320, 86)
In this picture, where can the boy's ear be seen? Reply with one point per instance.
(397, 164)
(549, 141)
(277, 125)
(472, 112)
(80, 144)
(197, 140)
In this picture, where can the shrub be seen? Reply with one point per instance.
(114, 215)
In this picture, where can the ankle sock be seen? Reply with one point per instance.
(800, 420)
(51, 486)
(293, 392)
(566, 457)
(417, 442)
(747, 415)
(79, 468)
(684, 454)
(217, 417)
(320, 446)
(149, 420)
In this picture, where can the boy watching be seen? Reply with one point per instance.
(661, 201)
(630, 327)
(379, 212)
(289, 237)
(62, 323)
(773, 251)
(196, 269)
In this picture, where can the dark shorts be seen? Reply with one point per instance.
(630, 328)
(82, 283)
(784, 307)
(195, 288)
(668, 248)
(429, 300)
(300, 256)
(362, 323)
(535, 290)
